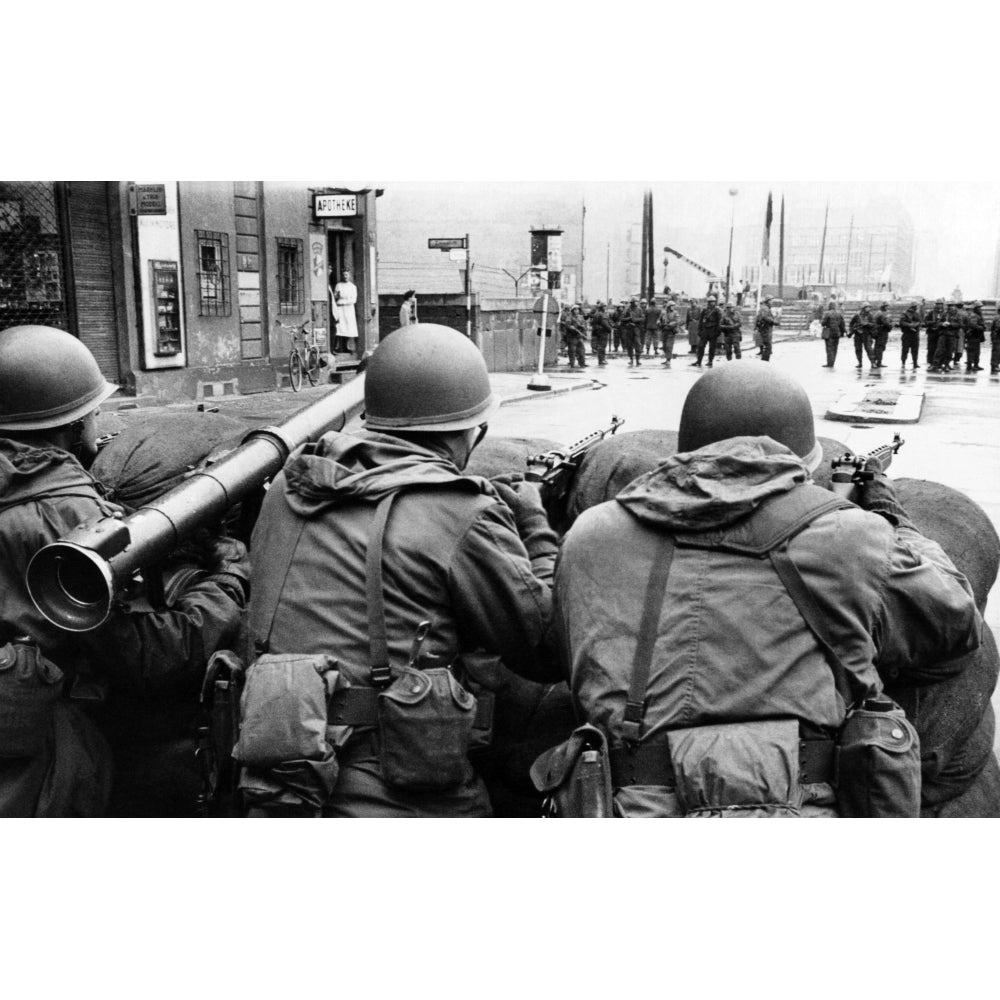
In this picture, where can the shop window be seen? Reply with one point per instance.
(214, 297)
(291, 286)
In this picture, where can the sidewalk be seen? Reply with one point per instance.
(279, 404)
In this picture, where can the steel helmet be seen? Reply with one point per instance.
(749, 401)
(427, 377)
(47, 379)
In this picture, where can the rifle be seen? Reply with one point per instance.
(850, 472)
(558, 468)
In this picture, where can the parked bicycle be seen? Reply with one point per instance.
(307, 354)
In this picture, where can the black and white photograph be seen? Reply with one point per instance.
(607, 426)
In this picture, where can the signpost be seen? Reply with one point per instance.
(450, 244)
(547, 316)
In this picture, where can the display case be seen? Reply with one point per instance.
(165, 288)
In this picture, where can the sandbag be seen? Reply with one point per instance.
(959, 525)
(150, 457)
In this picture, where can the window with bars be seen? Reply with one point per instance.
(214, 298)
(291, 284)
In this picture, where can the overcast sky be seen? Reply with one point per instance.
(956, 224)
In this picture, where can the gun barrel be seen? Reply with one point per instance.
(73, 581)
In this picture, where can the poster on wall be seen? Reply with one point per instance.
(160, 276)
(317, 267)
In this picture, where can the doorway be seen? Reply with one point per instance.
(340, 257)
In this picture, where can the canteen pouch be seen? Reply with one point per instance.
(878, 769)
(283, 709)
(575, 777)
(30, 685)
(426, 719)
(743, 769)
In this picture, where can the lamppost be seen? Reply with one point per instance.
(733, 192)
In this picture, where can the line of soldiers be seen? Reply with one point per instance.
(639, 327)
(953, 329)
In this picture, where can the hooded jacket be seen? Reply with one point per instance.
(731, 646)
(44, 494)
(451, 555)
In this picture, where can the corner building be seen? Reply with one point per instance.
(178, 288)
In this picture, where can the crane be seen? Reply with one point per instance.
(713, 278)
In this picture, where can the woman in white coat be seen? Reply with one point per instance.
(345, 297)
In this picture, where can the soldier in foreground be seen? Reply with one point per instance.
(56, 686)
(383, 568)
(729, 699)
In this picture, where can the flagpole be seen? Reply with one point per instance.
(765, 248)
(822, 246)
(781, 252)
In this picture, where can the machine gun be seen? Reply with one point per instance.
(553, 471)
(850, 472)
(73, 582)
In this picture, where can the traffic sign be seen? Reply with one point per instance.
(447, 243)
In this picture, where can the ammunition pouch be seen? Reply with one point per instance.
(575, 777)
(426, 718)
(743, 769)
(30, 685)
(878, 762)
(288, 762)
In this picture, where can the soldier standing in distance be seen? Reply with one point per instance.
(975, 334)
(947, 342)
(709, 329)
(574, 334)
(833, 329)
(600, 329)
(765, 324)
(883, 326)
(732, 331)
(934, 322)
(862, 329)
(669, 325)
(909, 324)
(652, 322)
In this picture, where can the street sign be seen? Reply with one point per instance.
(456, 254)
(447, 243)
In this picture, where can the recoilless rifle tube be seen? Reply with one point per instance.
(73, 581)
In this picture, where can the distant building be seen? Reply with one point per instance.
(880, 240)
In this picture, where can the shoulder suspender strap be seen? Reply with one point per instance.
(378, 643)
(635, 704)
(269, 586)
(813, 617)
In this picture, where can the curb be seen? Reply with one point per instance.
(518, 397)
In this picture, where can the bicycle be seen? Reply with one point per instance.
(306, 357)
